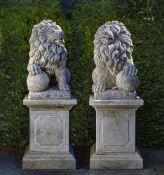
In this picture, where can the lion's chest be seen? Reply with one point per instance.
(50, 68)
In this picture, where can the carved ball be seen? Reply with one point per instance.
(37, 83)
(127, 83)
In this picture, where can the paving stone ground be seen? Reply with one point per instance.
(11, 164)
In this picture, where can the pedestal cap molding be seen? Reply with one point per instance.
(50, 103)
(99, 104)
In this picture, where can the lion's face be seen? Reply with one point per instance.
(55, 36)
(113, 45)
(107, 36)
(47, 42)
(49, 33)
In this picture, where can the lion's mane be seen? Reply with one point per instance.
(115, 53)
(42, 47)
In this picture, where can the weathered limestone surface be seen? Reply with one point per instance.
(46, 160)
(113, 59)
(115, 99)
(115, 134)
(49, 134)
(118, 160)
(49, 100)
(48, 57)
(50, 94)
(115, 95)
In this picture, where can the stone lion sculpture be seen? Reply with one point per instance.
(48, 56)
(113, 49)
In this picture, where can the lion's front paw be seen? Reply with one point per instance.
(34, 69)
(130, 70)
(99, 88)
(64, 87)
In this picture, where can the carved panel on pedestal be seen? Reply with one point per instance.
(115, 130)
(48, 130)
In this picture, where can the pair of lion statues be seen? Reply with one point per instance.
(113, 49)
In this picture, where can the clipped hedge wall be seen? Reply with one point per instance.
(142, 18)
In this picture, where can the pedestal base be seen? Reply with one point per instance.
(115, 160)
(44, 160)
(49, 134)
(115, 134)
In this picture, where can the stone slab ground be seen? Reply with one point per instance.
(11, 164)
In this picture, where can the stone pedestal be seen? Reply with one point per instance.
(49, 134)
(115, 135)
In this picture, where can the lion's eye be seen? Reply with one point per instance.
(104, 36)
(106, 33)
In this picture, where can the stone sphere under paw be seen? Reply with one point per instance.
(37, 83)
(127, 83)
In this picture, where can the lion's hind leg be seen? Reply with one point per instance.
(62, 78)
(99, 77)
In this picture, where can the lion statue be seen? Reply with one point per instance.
(113, 49)
(48, 56)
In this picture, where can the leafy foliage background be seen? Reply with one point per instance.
(143, 18)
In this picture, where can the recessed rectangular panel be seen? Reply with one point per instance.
(49, 130)
(115, 131)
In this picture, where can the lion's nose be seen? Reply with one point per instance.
(109, 34)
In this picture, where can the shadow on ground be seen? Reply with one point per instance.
(11, 164)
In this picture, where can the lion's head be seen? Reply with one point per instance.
(113, 46)
(46, 42)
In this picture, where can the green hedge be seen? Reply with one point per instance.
(142, 18)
